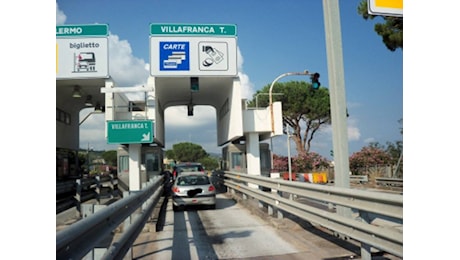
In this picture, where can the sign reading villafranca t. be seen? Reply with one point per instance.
(129, 132)
(193, 29)
(193, 50)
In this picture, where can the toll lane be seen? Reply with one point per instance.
(230, 231)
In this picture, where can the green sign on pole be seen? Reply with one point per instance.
(226, 30)
(130, 132)
(95, 30)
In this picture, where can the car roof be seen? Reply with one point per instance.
(192, 173)
(188, 163)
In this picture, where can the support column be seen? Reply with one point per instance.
(134, 167)
(253, 155)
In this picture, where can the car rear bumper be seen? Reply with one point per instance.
(199, 200)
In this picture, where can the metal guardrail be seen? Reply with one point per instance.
(64, 187)
(384, 238)
(393, 182)
(78, 239)
(359, 178)
(73, 193)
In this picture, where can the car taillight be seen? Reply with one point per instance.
(175, 189)
(211, 188)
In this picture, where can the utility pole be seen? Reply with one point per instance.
(337, 93)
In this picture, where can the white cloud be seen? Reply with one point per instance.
(125, 69)
(247, 88)
(60, 16)
(354, 134)
(369, 140)
(202, 115)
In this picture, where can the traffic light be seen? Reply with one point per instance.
(194, 85)
(315, 81)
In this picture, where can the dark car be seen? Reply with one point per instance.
(187, 167)
(193, 189)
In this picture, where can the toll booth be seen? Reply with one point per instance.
(151, 164)
(234, 158)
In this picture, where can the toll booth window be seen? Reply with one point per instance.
(62, 116)
(237, 161)
(123, 164)
(265, 159)
(152, 162)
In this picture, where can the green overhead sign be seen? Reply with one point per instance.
(130, 132)
(77, 30)
(225, 30)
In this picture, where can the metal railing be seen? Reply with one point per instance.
(364, 203)
(80, 238)
(80, 190)
(359, 178)
(392, 182)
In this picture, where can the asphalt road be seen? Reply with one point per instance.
(232, 231)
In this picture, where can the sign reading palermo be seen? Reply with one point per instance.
(93, 30)
(130, 132)
(193, 50)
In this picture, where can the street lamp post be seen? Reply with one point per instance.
(271, 89)
(271, 105)
(289, 152)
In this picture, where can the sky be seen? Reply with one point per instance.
(273, 38)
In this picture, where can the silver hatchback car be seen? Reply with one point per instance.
(193, 188)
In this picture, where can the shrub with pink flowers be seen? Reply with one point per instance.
(302, 163)
(368, 156)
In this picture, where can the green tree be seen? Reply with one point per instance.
(391, 30)
(187, 152)
(110, 157)
(170, 154)
(301, 103)
(209, 163)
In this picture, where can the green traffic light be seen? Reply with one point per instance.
(194, 85)
(315, 81)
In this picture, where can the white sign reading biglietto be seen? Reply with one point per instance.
(82, 51)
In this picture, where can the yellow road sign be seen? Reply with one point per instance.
(385, 7)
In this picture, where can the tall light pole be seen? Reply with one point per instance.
(271, 89)
(289, 151)
(271, 103)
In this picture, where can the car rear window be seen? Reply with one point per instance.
(193, 180)
(190, 168)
